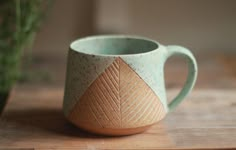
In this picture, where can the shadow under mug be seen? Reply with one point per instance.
(115, 83)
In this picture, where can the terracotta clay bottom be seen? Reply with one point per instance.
(113, 132)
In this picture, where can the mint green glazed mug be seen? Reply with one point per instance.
(115, 83)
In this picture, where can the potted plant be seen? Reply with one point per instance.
(19, 21)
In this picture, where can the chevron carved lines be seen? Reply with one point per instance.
(139, 105)
(100, 105)
(118, 98)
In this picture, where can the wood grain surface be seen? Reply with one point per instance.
(34, 119)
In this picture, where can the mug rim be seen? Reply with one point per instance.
(119, 36)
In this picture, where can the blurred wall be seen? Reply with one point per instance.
(66, 21)
(197, 24)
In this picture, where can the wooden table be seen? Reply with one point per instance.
(33, 118)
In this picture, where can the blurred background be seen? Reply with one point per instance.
(198, 25)
(207, 28)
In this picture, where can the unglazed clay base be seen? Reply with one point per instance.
(113, 132)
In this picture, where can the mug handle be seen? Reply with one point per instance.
(192, 73)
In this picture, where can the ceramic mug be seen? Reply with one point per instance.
(115, 83)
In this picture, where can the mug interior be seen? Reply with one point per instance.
(113, 45)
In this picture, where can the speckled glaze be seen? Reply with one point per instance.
(150, 69)
(94, 60)
(82, 70)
